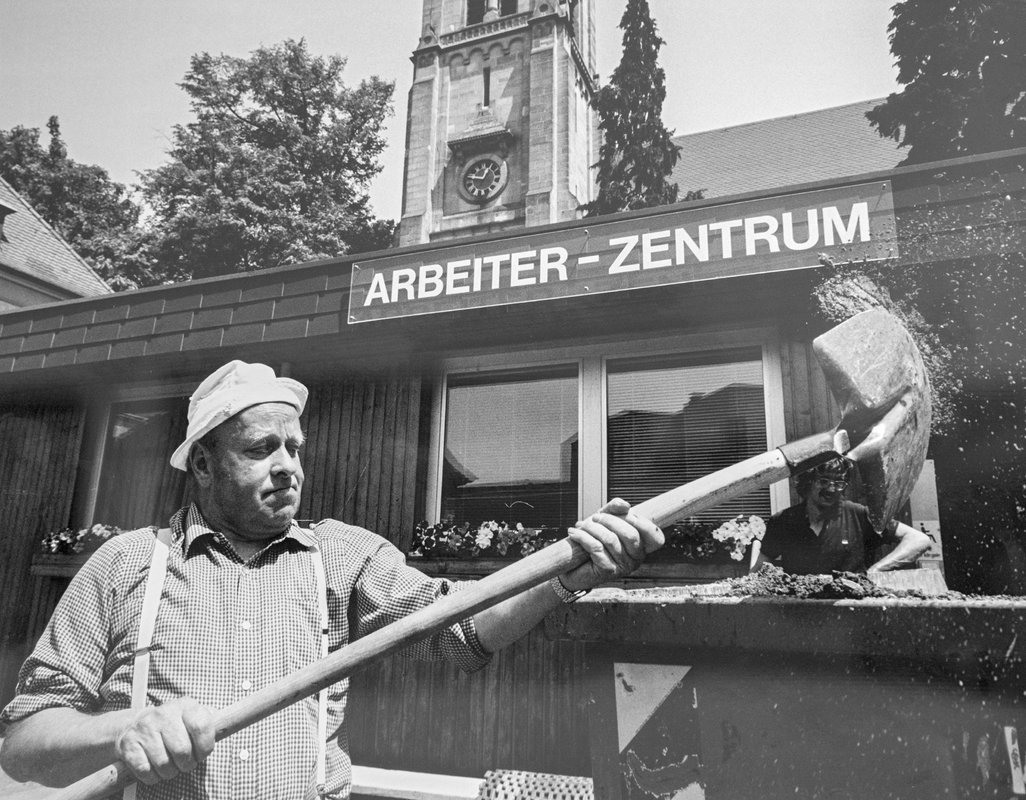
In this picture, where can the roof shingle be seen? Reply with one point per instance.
(34, 248)
(802, 148)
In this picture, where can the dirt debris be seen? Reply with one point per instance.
(771, 581)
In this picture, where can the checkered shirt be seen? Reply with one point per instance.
(226, 629)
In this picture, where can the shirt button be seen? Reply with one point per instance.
(247, 685)
(246, 625)
(244, 755)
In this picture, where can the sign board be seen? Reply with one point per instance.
(793, 231)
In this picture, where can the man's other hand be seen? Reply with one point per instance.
(616, 541)
(162, 742)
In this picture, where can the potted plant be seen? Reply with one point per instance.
(694, 550)
(62, 552)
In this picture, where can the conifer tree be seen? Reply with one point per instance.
(637, 154)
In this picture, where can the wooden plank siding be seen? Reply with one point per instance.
(527, 711)
(809, 406)
(39, 449)
(361, 453)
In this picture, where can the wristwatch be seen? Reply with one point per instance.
(565, 594)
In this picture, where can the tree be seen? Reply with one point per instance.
(274, 169)
(963, 66)
(94, 214)
(637, 152)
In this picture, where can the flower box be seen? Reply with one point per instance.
(57, 565)
(695, 552)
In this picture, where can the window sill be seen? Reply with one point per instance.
(57, 565)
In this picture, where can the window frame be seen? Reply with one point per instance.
(592, 403)
(98, 435)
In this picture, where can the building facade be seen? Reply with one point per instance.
(522, 377)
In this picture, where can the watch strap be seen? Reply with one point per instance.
(565, 594)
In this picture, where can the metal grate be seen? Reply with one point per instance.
(503, 784)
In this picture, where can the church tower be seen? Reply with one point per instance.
(501, 134)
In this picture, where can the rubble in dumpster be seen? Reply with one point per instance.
(771, 581)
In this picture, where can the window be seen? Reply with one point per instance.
(476, 9)
(138, 486)
(556, 432)
(510, 447)
(673, 419)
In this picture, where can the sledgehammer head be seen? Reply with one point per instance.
(878, 377)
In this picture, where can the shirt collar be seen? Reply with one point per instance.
(190, 525)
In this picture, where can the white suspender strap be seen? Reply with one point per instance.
(322, 696)
(148, 617)
(147, 621)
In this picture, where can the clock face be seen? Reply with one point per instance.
(483, 178)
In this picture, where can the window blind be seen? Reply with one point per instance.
(674, 419)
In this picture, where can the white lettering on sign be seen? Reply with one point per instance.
(859, 219)
(761, 234)
(649, 248)
(756, 235)
(526, 268)
(626, 244)
(788, 231)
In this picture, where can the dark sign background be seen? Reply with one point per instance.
(632, 253)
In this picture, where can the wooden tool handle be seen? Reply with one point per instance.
(556, 559)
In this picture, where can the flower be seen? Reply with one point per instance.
(68, 541)
(483, 540)
(448, 539)
(738, 534)
(696, 540)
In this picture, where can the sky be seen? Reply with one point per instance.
(109, 69)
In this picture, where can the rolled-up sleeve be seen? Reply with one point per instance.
(67, 665)
(387, 590)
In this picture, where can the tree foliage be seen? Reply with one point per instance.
(637, 153)
(960, 296)
(274, 169)
(94, 214)
(963, 68)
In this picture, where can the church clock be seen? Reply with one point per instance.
(483, 178)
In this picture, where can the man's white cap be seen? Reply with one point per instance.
(233, 388)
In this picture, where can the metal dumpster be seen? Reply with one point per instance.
(726, 698)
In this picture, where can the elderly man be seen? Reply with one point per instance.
(243, 597)
(825, 533)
